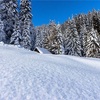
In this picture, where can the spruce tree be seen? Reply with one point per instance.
(53, 40)
(41, 35)
(25, 22)
(84, 39)
(79, 26)
(93, 46)
(95, 19)
(33, 36)
(2, 33)
(8, 10)
(16, 35)
(60, 40)
(71, 42)
(38, 37)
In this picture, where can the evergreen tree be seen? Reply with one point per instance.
(96, 23)
(89, 21)
(93, 46)
(65, 32)
(16, 35)
(2, 33)
(95, 20)
(53, 40)
(38, 37)
(33, 36)
(41, 35)
(60, 40)
(84, 39)
(71, 42)
(25, 18)
(8, 10)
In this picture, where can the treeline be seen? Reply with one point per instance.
(82, 35)
(79, 36)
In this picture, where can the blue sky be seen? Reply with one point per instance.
(60, 10)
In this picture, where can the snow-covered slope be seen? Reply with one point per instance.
(26, 75)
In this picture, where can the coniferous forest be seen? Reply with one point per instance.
(79, 36)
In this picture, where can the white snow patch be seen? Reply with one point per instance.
(26, 75)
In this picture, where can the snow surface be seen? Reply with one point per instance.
(26, 75)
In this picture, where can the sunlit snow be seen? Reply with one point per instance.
(26, 75)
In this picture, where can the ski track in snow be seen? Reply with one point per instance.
(25, 75)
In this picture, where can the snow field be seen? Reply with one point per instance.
(26, 75)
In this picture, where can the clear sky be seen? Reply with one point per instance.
(60, 10)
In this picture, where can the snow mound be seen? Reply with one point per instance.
(26, 75)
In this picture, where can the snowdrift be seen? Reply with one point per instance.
(26, 75)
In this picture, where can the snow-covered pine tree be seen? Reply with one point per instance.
(16, 35)
(25, 22)
(46, 43)
(33, 36)
(79, 24)
(96, 22)
(3, 14)
(38, 37)
(65, 31)
(53, 40)
(8, 10)
(41, 33)
(60, 40)
(93, 46)
(2, 33)
(71, 41)
(82, 31)
(89, 21)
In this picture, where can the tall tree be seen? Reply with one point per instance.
(71, 41)
(41, 34)
(2, 33)
(8, 10)
(60, 40)
(33, 36)
(84, 39)
(25, 18)
(93, 46)
(16, 35)
(53, 40)
(81, 29)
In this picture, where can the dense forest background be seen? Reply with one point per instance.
(79, 36)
